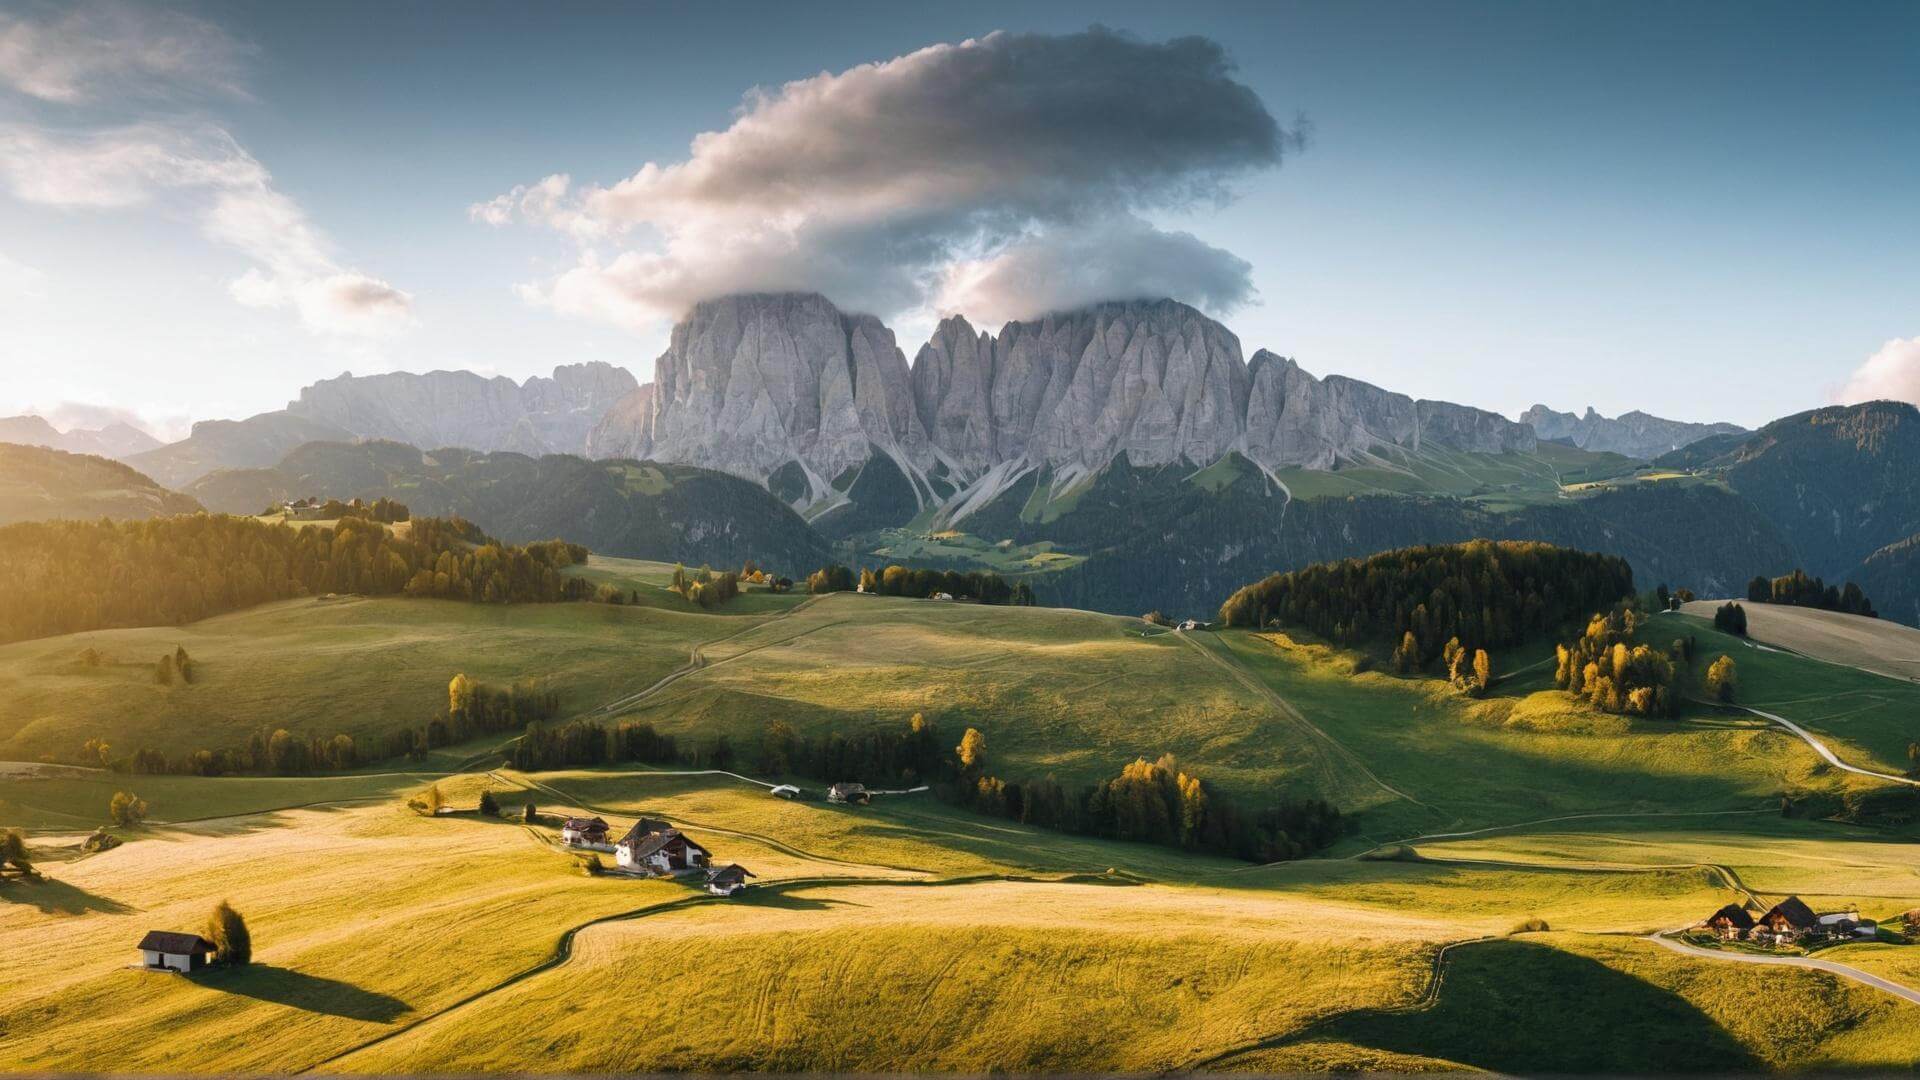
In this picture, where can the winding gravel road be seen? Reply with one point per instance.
(1896, 989)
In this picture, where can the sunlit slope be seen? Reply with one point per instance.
(325, 666)
(1875, 645)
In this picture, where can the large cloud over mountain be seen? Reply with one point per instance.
(1893, 374)
(935, 178)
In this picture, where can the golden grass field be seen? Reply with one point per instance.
(914, 936)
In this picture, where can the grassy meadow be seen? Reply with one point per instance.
(911, 935)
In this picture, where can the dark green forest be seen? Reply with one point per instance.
(1482, 594)
(66, 576)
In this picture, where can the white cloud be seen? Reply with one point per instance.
(1892, 374)
(18, 281)
(94, 50)
(888, 182)
(202, 169)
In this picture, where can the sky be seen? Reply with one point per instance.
(1704, 211)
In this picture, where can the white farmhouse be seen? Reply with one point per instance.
(654, 847)
(167, 950)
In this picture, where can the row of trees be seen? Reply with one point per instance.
(1425, 601)
(1730, 618)
(66, 576)
(896, 580)
(1800, 590)
(1158, 802)
(704, 587)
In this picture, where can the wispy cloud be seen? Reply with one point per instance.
(200, 168)
(962, 173)
(135, 60)
(104, 50)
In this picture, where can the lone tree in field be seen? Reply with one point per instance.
(488, 804)
(972, 751)
(126, 808)
(531, 814)
(1913, 759)
(1722, 680)
(13, 851)
(232, 944)
(433, 799)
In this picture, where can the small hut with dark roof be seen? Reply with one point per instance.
(169, 950)
(729, 880)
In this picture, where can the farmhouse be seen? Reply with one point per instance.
(167, 950)
(845, 792)
(1731, 923)
(580, 832)
(1786, 922)
(1194, 624)
(730, 880)
(303, 510)
(654, 847)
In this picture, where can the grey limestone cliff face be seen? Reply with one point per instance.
(1635, 434)
(459, 408)
(1157, 381)
(1294, 419)
(752, 382)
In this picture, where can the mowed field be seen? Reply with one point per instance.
(1875, 645)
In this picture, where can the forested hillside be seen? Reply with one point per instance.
(1157, 542)
(673, 513)
(1479, 595)
(38, 484)
(61, 577)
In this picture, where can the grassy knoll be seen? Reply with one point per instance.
(1876, 645)
(1520, 755)
(1574, 1003)
(1069, 692)
(1868, 720)
(354, 665)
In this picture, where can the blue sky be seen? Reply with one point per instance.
(1704, 211)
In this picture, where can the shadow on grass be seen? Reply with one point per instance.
(1521, 1007)
(54, 897)
(284, 986)
(789, 902)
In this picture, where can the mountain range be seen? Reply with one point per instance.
(1126, 454)
(112, 441)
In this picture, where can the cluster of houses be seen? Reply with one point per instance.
(1789, 922)
(654, 848)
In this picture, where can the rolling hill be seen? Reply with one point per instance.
(619, 508)
(38, 484)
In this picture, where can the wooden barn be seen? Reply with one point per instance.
(1786, 922)
(1731, 923)
(580, 832)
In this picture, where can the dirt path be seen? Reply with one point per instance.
(1821, 748)
(1334, 749)
(1898, 990)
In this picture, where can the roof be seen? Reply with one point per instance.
(849, 788)
(585, 824)
(172, 941)
(644, 828)
(653, 842)
(1794, 912)
(1735, 915)
(731, 874)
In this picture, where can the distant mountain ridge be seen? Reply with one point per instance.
(1635, 434)
(116, 440)
(787, 390)
(438, 408)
